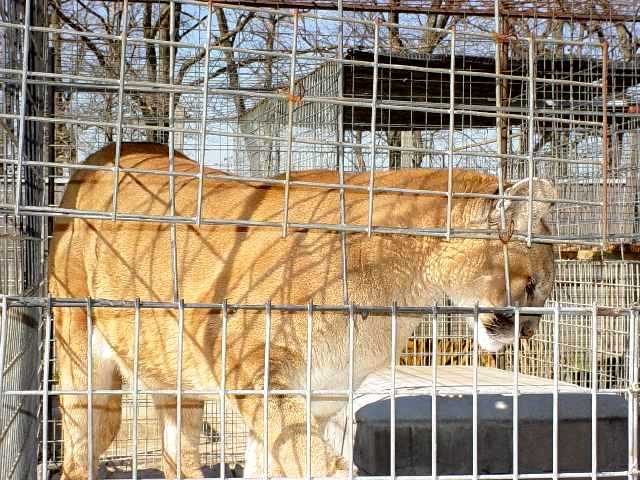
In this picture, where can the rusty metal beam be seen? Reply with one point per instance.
(580, 10)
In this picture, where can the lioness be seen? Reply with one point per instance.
(250, 265)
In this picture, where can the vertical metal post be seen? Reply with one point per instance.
(50, 195)
(291, 101)
(223, 386)
(121, 79)
(434, 396)
(605, 144)
(476, 326)
(501, 54)
(90, 387)
(531, 115)
(452, 93)
(594, 393)
(340, 152)
(632, 395)
(374, 102)
(3, 346)
(26, 43)
(203, 126)
(516, 391)
(45, 391)
(136, 357)
(180, 347)
(265, 406)
(394, 347)
(352, 319)
(172, 153)
(501, 144)
(308, 386)
(556, 382)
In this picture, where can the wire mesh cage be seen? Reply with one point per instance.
(515, 122)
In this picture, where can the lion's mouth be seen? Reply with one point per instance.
(492, 341)
(497, 330)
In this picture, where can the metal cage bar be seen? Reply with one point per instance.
(203, 126)
(291, 100)
(516, 393)
(374, 102)
(90, 389)
(308, 389)
(121, 83)
(26, 43)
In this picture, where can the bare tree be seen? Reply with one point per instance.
(149, 62)
(430, 39)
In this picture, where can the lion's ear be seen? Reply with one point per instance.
(517, 211)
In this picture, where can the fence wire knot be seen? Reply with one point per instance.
(505, 235)
(501, 37)
(297, 99)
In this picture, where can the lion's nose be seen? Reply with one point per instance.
(504, 318)
(526, 331)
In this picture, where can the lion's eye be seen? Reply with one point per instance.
(530, 288)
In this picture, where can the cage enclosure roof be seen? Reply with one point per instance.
(575, 10)
(479, 93)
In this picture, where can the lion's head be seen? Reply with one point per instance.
(480, 271)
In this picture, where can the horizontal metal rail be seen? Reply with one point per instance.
(480, 233)
(264, 9)
(299, 140)
(97, 303)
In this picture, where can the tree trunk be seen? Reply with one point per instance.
(65, 150)
(360, 166)
(271, 161)
(411, 139)
(394, 139)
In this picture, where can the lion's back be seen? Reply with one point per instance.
(87, 253)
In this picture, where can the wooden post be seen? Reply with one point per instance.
(632, 178)
(605, 145)
(502, 54)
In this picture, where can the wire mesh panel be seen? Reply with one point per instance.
(281, 96)
(607, 283)
(22, 238)
(254, 207)
(408, 383)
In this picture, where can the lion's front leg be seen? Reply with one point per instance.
(287, 431)
(252, 457)
(287, 441)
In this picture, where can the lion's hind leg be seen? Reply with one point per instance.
(190, 428)
(71, 356)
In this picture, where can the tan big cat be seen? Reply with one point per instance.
(252, 264)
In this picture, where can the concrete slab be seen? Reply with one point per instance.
(495, 424)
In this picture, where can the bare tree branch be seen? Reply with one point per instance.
(150, 33)
(193, 27)
(226, 39)
(76, 26)
(107, 27)
(184, 68)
